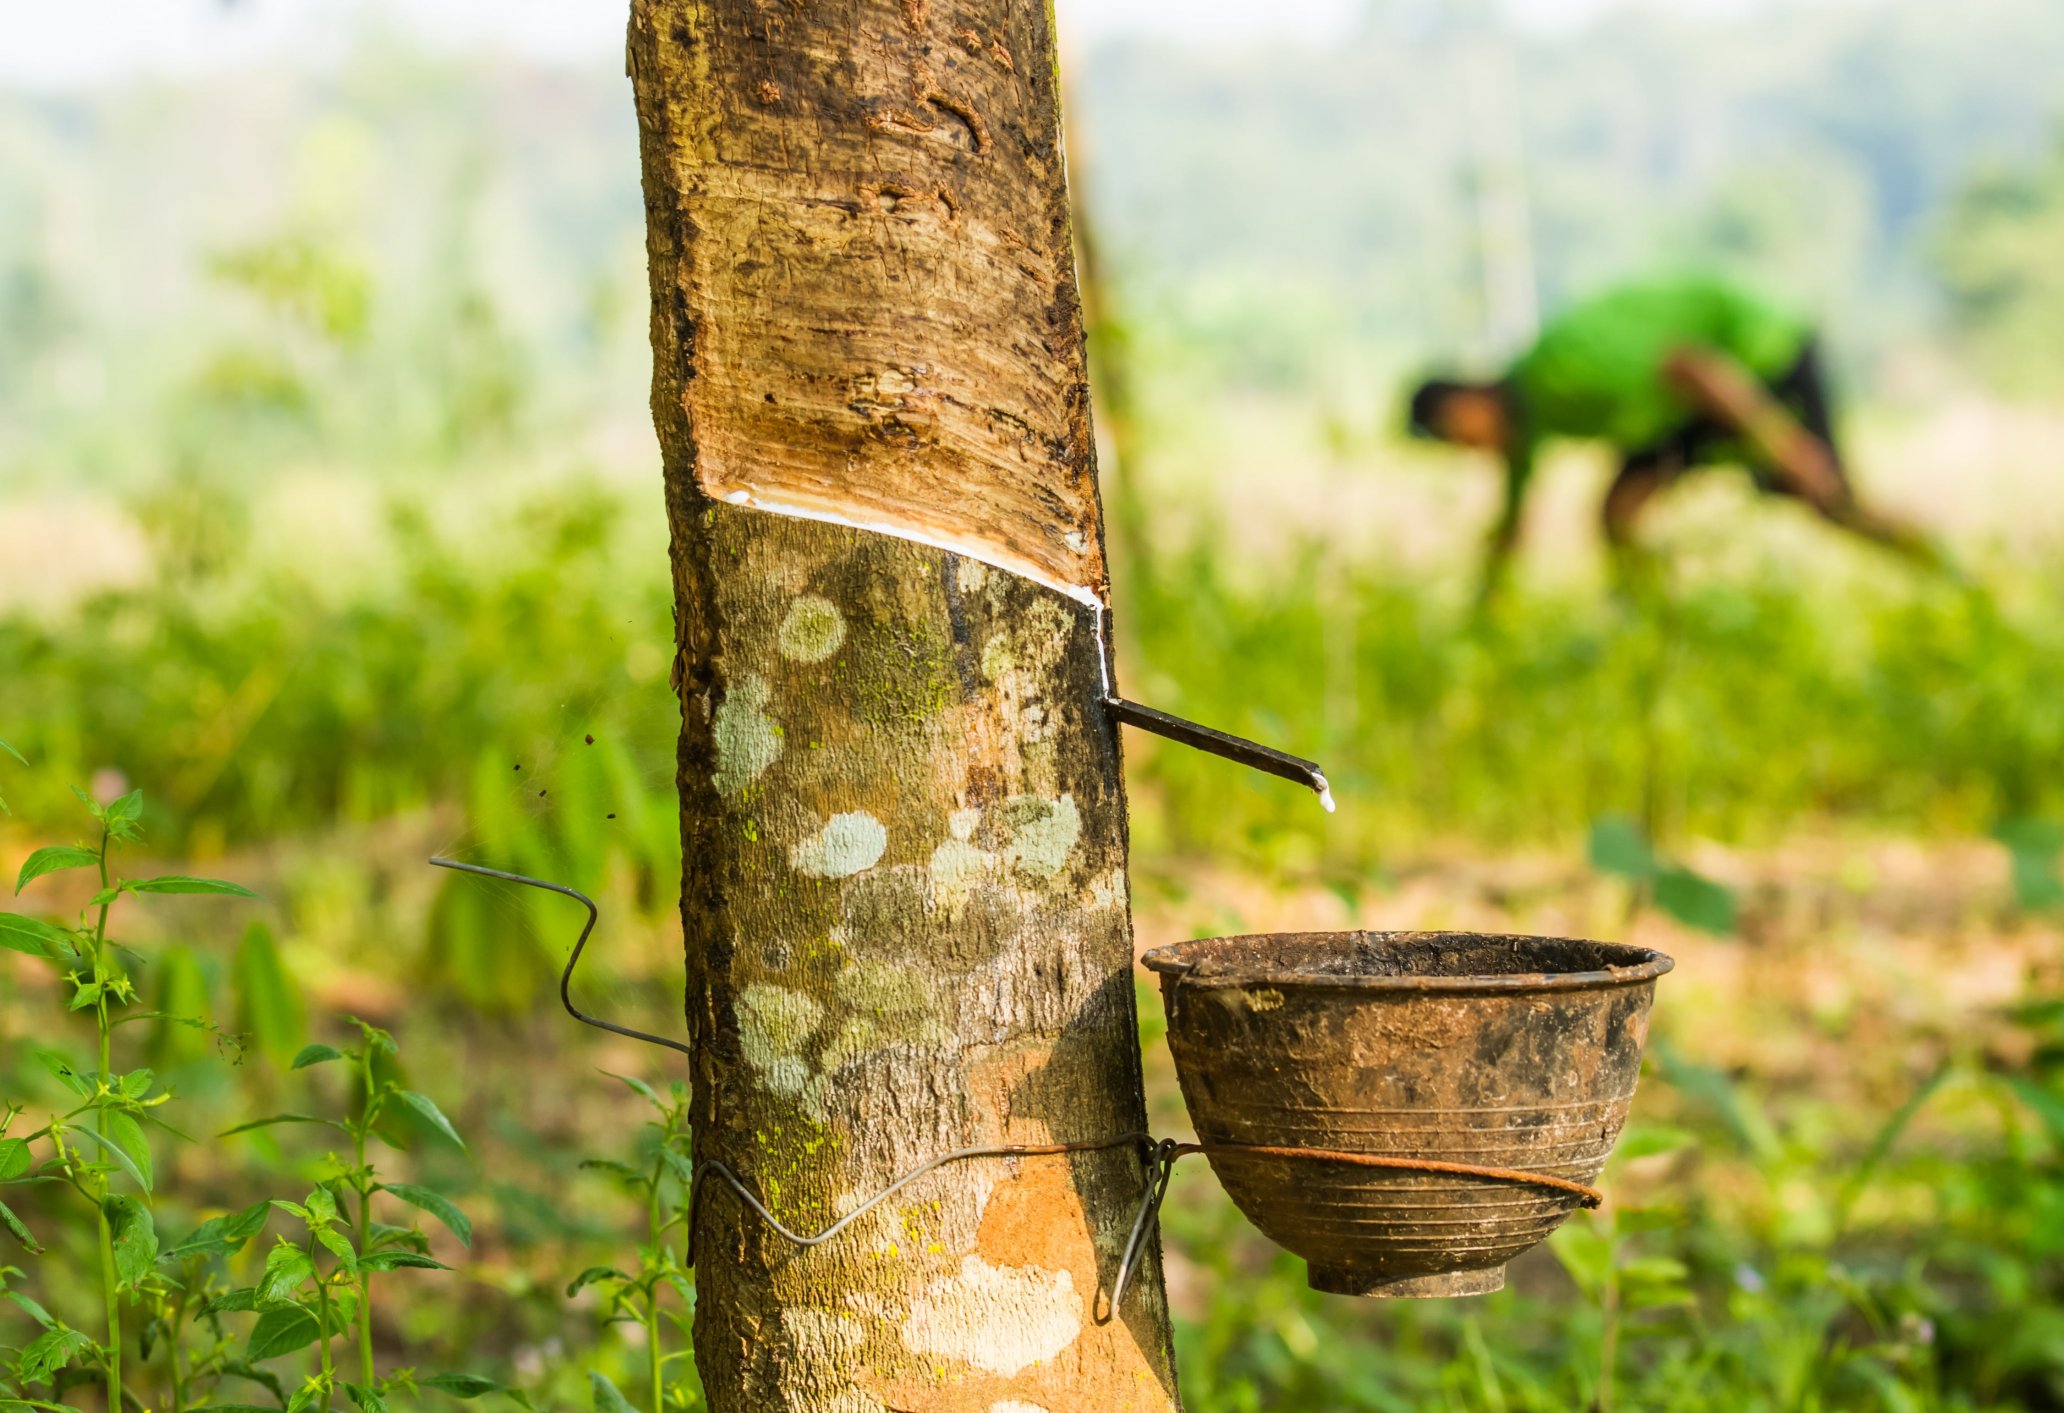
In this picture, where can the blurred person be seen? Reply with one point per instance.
(1675, 374)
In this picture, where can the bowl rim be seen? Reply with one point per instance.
(1642, 965)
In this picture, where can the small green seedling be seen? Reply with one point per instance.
(100, 1145)
(662, 1179)
(318, 1285)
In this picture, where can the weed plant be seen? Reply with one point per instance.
(661, 1180)
(159, 1323)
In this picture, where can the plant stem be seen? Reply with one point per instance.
(178, 1368)
(1609, 1341)
(364, 1182)
(329, 1370)
(109, 1279)
(657, 1233)
(111, 1287)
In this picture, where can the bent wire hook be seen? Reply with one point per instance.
(706, 1166)
(566, 977)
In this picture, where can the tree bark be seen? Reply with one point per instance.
(903, 816)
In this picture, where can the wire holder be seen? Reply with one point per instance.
(1159, 1156)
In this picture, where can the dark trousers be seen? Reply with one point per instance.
(1802, 389)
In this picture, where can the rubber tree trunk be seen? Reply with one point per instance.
(902, 811)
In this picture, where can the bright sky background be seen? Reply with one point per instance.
(62, 42)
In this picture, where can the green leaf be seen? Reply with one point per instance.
(387, 1234)
(460, 1385)
(13, 752)
(1620, 846)
(1651, 1140)
(124, 1131)
(391, 1260)
(2036, 885)
(1695, 901)
(182, 998)
(614, 1168)
(174, 883)
(281, 1332)
(1585, 1253)
(268, 1005)
(31, 1308)
(264, 1378)
(286, 1269)
(1655, 1270)
(431, 1114)
(14, 1158)
(321, 1205)
(122, 816)
(638, 1086)
(179, 1018)
(35, 938)
(14, 1227)
(53, 1350)
(219, 1236)
(340, 1247)
(1714, 1088)
(53, 860)
(285, 1119)
(678, 1165)
(2032, 848)
(316, 1055)
(590, 1276)
(607, 1398)
(234, 1302)
(67, 1073)
(2031, 835)
(437, 1205)
(135, 1239)
(470, 1386)
(121, 1160)
(1881, 1144)
(2042, 1103)
(366, 1398)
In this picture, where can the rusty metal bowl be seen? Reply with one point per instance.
(1516, 1053)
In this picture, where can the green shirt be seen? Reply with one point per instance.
(1596, 370)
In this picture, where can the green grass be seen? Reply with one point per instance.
(1887, 703)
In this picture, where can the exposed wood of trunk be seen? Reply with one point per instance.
(903, 817)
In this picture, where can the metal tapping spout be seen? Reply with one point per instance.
(1218, 743)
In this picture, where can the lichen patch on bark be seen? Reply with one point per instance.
(774, 1022)
(813, 629)
(748, 740)
(1043, 833)
(845, 845)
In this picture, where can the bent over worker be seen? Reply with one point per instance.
(1675, 374)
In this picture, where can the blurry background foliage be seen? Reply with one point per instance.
(330, 514)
